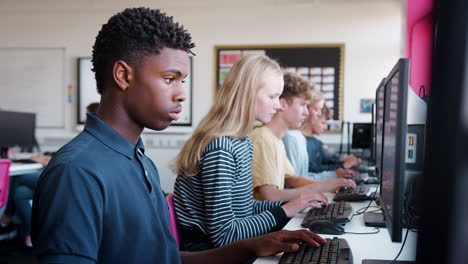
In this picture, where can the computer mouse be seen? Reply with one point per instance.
(326, 227)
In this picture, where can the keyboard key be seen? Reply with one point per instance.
(335, 251)
(340, 212)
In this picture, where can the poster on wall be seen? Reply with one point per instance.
(321, 64)
(87, 94)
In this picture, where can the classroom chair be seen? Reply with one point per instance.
(4, 183)
(172, 216)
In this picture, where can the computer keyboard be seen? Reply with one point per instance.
(360, 193)
(372, 180)
(364, 168)
(23, 161)
(335, 251)
(360, 178)
(340, 212)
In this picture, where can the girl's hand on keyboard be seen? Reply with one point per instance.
(343, 173)
(302, 201)
(351, 161)
(334, 185)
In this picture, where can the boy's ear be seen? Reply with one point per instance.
(284, 104)
(122, 74)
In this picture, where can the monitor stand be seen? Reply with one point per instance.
(374, 219)
(381, 261)
(377, 220)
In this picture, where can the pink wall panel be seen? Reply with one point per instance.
(419, 34)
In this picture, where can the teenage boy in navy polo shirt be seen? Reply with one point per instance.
(99, 199)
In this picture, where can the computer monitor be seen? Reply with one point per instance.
(391, 122)
(18, 129)
(442, 235)
(379, 122)
(362, 136)
(394, 148)
(372, 147)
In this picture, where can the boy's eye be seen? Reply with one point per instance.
(168, 80)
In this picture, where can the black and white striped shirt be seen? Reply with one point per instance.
(219, 200)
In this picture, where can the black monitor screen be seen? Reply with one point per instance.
(394, 143)
(17, 129)
(379, 122)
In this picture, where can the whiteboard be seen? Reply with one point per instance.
(32, 80)
(87, 93)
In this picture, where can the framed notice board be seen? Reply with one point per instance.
(320, 63)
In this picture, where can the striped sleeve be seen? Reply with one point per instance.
(260, 206)
(217, 169)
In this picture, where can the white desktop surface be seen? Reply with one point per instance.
(375, 246)
(23, 168)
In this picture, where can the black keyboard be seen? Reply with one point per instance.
(372, 180)
(360, 178)
(335, 251)
(340, 212)
(24, 161)
(360, 193)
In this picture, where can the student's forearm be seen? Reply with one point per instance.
(279, 195)
(232, 253)
(302, 184)
(298, 181)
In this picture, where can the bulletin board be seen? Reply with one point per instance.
(320, 63)
(87, 93)
(33, 80)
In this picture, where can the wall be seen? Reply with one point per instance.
(370, 29)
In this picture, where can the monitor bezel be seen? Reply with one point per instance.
(393, 217)
(378, 162)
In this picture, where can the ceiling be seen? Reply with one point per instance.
(93, 5)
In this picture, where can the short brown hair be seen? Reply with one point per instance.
(326, 113)
(295, 85)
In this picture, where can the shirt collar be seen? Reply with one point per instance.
(109, 137)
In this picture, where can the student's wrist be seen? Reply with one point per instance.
(247, 248)
(288, 212)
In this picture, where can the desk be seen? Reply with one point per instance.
(23, 168)
(375, 246)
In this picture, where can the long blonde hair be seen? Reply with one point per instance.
(233, 111)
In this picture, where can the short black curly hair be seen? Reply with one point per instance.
(132, 33)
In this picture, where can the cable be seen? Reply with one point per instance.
(358, 212)
(423, 89)
(411, 217)
(368, 205)
(365, 209)
(341, 138)
(349, 138)
(365, 233)
(401, 249)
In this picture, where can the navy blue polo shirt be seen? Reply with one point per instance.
(99, 201)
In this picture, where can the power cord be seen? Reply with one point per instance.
(358, 212)
(377, 230)
(368, 205)
(401, 249)
(410, 214)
